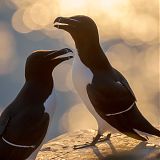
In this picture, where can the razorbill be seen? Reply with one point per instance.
(103, 89)
(24, 123)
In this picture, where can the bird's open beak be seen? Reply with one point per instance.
(65, 23)
(57, 57)
(57, 54)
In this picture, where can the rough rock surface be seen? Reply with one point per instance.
(120, 147)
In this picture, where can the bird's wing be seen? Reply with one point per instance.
(4, 119)
(110, 98)
(122, 80)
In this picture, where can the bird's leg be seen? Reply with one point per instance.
(95, 139)
(93, 143)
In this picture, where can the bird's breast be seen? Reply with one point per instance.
(82, 76)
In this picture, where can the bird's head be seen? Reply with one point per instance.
(40, 64)
(82, 29)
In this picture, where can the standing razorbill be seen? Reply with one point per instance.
(103, 89)
(24, 123)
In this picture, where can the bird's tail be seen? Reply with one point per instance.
(133, 134)
(141, 124)
(150, 130)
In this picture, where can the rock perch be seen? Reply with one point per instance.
(120, 147)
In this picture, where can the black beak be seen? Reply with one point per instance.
(65, 23)
(53, 55)
(54, 58)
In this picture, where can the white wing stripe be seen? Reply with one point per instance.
(17, 145)
(113, 114)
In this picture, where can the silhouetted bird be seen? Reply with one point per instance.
(24, 123)
(103, 89)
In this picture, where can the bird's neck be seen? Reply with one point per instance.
(94, 58)
(34, 92)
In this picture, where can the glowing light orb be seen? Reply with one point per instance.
(18, 23)
(72, 7)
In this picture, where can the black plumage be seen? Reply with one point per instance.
(24, 122)
(109, 92)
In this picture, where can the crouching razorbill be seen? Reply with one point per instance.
(24, 123)
(103, 89)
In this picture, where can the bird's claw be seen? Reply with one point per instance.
(93, 143)
(82, 146)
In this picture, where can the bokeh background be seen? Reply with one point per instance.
(129, 35)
